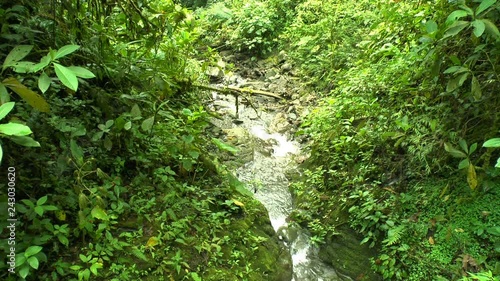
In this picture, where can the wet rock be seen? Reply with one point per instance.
(280, 123)
(292, 116)
(215, 72)
(271, 73)
(286, 67)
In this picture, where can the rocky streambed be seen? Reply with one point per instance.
(261, 128)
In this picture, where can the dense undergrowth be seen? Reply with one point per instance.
(117, 179)
(404, 133)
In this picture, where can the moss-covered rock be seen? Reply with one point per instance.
(264, 254)
(345, 254)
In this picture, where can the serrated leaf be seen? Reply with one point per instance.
(76, 152)
(43, 82)
(24, 141)
(32, 250)
(147, 124)
(6, 108)
(66, 50)
(455, 15)
(475, 88)
(491, 28)
(81, 72)
(479, 27)
(98, 213)
(453, 151)
(4, 95)
(67, 77)
(455, 28)
(471, 177)
(495, 142)
(485, 4)
(32, 98)
(16, 54)
(14, 129)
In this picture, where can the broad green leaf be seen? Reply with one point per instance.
(67, 77)
(224, 146)
(32, 250)
(4, 95)
(98, 213)
(23, 272)
(479, 27)
(1, 154)
(17, 54)
(108, 144)
(455, 15)
(24, 141)
(492, 143)
(475, 88)
(43, 82)
(42, 200)
(148, 124)
(455, 28)
(498, 163)
(94, 267)
(456, 82)
(464, 164)
(471, 177)
(14, 129)
(32, 98)
(456, 69)
(472, 148)
(491, 28)
(136, 111)
(6, 108)
(76, 152)
(431, 26)
(453, 151)
(66, 50)
(485, 4)
(468, 10)
(23, 67)
(463, 145)
(44, 61)
(81, 72)
(127, 125)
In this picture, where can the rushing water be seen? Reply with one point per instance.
(265, 175)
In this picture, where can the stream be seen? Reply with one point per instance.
(258, 128)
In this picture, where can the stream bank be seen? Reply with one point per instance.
(262, 129)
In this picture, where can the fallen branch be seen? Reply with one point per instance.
(230, 89)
